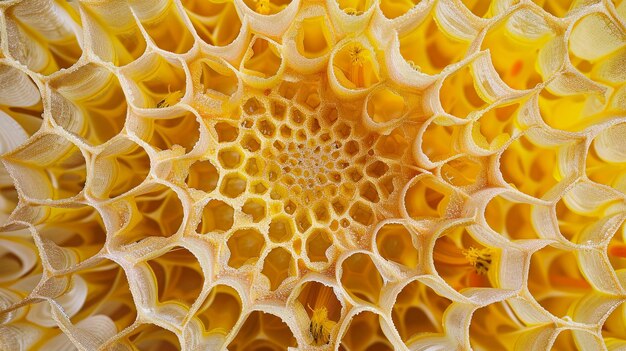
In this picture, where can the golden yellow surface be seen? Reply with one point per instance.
(312, 175)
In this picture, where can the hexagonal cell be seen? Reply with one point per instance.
(245, 247)
(290, 207)
(263, 331)
(215, 80)
(278, 266)
(203, 176)
(251, 143)
(297, 117)
(280, 146)
(288, 89)
(317, 244)
(385, 106)
(303, 221)
(254, 166)
(230, 157)
(70, 235)
(438, 142)
(125, 159)
(221, 310)
(495, 127)
(395, 145)
(323, 309)
(464, 172)
(256, 208)
(329, 116)
(281, 229)
(129, 41)
(511, 219)
(217, 23)
(463, 262)
(555, 280)
(309, 97)
(459, 93)
(166, 28)
(515, 59)
(362, 213)
(386, 185)
(253, 106)
(351, 147)
(273, 174)
(339, 205)
(314, 37)
(418, 312)
(361, 279)
(259, 187)
(263, 58)
(428, 49)
(552, 105)
(530, 168)
(48, 39)
(226, 132)
(217, 216)
(301, 136)
(47, 167)
(355, 66)
(314, 124)
(377, 169)
(342, 131)
(178, 277)
(156, 212)
(426, 197)
(365, 333)
(233, 185)
(369, 192)
(395, 243)
(94, 109)
(321, 213)
(266, 128)
(182, 130)
(354, 174)
(157, 82)
(278, 110)
(149, 337)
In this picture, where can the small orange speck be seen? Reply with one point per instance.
(617, 250)
(517, 67)
(475, 279)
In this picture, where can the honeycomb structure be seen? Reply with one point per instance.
(312, 175)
